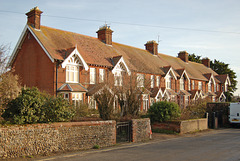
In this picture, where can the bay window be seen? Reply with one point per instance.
(77, 98)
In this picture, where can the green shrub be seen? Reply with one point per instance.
(33, 106)
(96, 147)
(163, 111)
(57, 109)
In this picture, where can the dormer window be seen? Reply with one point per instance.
(118, 78)
(72, 64)
(210, 86)
(72, 73)
(226, 87)
(182, 83)
(168, 82)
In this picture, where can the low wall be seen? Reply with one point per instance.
(183, 126)
(141, 130)
(193, 125)
(16, 141)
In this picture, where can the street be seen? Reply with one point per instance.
(219, 145)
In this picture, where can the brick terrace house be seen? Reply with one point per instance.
(58, 61)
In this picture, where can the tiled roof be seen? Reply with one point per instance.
(222, 78)
(115, 59)
(180, 72)
(183, 92)
(219, 94)
(171, 92)
(73, 87)
(59, 45)
(211, 94)
(208, 75)
(92, 89)
(154, 91)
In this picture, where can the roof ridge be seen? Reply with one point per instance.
(68, 31)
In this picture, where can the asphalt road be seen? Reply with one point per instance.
(217, 145)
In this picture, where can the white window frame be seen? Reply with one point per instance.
(101, 75)
(66, 96)
(92, 103)
(72, 70)
(140, 80)
(168, 82)
(77, 98)
(92, 75)
(118, 78)
(157, 81)
(152, 81)
(209, 86)
(145, 102)
(226, 87)
(186, 101)
(193, 84)
(199, 85)
(181, 83)
(213, 99)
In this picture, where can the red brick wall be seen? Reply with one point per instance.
(33, 66)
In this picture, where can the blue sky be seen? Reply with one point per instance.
(176, 22)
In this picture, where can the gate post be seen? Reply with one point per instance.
(213, 120)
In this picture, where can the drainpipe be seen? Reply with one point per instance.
(57, 63)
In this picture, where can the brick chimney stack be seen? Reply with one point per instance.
(34, 17)
(183, 55)
(152, 47)
(105, 34)
(206, 62)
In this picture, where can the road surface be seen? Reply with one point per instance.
(217, 145)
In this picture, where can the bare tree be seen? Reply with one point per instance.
(3, 59)
(9, 85)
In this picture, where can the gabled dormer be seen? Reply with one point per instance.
(211, 84)
(184, 80)
(224, 81)
(169, 76)
(119, 68)
(72, 63)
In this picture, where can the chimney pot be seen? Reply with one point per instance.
(152, 47)
(105, 34)
(34, 17)
(183, 55)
